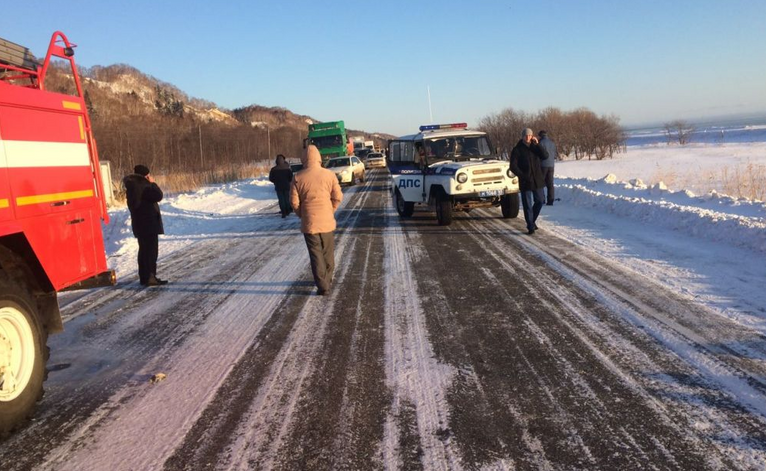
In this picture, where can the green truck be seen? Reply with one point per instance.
(330, 138)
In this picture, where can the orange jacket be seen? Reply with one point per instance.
(315, 194)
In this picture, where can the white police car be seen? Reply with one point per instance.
(450, 168)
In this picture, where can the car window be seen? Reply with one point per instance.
(337, 163)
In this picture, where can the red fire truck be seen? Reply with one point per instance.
(51, 207)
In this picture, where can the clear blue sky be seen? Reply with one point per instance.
(369, 63)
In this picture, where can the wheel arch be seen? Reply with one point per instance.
(19, 261)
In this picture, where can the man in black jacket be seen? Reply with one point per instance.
(143, 197)
(525, 164)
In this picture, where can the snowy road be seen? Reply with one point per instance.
(471, 346)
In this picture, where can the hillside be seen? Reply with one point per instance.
(139, 118)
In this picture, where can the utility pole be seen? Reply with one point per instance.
(201, 160)
(430, 113)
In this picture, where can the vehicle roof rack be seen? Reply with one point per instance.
(17, 56)
(17, 63)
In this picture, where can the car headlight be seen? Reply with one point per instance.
(462, 177)
(344, 172)
(510, 174)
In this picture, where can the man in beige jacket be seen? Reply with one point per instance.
(315, 195)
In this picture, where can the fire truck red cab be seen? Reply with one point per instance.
(51, 207)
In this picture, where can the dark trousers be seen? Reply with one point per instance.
(284, 202)
(548, 175)
(532, 202)
(322, 255)
(147, 256)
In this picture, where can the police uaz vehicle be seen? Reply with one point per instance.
(450, 168)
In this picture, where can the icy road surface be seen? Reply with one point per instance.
(471, 346)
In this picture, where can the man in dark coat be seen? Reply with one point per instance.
(143, 197)
(281, 176)
(547, 164)
(525, 164)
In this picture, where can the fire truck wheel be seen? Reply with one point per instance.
(22, 357)
(444, 211)
(510, 205)
(404, 208)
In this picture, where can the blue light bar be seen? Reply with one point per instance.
(432, 127)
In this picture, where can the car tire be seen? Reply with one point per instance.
(509, 204)
(404, 208)
(363, 177)
(22, 385)
(444, 210)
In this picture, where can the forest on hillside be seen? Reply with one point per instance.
(139, 119)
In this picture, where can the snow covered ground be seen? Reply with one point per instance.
(221, 209)
(684, 234)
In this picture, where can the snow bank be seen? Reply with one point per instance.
(738, 222)
(214, 209)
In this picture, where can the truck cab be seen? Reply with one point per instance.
(330, 138)
(449, 168)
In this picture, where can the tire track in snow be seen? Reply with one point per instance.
(482, 327)
(266, 410)
(418, 379)
(632, 345)
(341, 422)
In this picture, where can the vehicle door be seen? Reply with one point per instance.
(357, 167)
(406, 171)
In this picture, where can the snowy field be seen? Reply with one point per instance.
(658, 209)
(699, 168)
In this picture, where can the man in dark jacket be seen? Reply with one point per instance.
(281, 175)
(143, 195)
(547, 164)
(525, 164)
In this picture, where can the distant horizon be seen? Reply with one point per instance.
(702, 120)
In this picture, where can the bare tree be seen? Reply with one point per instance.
(578, 132)
(679, 131)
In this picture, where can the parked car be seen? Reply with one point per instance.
(296, 167)
(348, 169)
(375, 159)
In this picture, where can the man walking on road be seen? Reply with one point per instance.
(525, 164)
(281, 175)
(143, 196)
(315, 195)
(547, 164)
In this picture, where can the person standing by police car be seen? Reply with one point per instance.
(547, 164)
(143, 197)
(525, 164)
(315, 196)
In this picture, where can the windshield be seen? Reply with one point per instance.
(457, 146)
(337, 163)
(372, 155)
(323, 142)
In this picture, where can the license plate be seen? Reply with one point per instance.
(484, 194)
